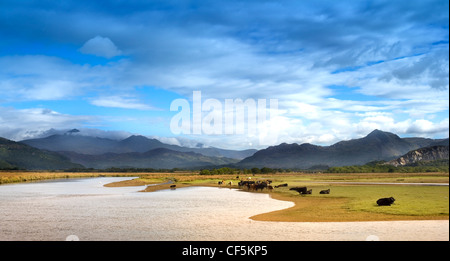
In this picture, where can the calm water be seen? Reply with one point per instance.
(83, 207)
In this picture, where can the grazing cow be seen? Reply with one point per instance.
(301, 190)
(385, 201)
(282, 185)
(220, 183)
(173, 186)
(245, 183)
(327, 191)
(260, 186)
(230, 183)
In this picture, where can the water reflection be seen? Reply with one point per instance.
(89, 211)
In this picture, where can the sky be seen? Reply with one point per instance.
(337, 69)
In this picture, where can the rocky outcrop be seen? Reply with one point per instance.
(422, 154)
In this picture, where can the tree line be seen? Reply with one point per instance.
(372, 167)
(227, 170)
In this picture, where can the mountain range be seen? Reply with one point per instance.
(134, 152)
(96, 146)
(159, 158)
(75, 151)
(376, 146)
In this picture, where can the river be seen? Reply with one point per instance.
(83, 209)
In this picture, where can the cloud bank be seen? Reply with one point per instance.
(338, 68)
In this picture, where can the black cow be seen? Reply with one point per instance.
(245, 183)
(385, 201)
(282, 185)
(173, 186)
(301, 190)
(327, 191)
(261, 186)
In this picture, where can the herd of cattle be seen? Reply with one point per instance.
(255, 185)
(266, 184)
(305, 191)
(251, 185)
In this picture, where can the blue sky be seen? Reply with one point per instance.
(339, 69)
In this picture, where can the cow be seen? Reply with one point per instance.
(220, 183)
(327, 191)
(245, 183)
(282, 185)
(301, 190)
(385, 201)
(261, 186)
(173, 186)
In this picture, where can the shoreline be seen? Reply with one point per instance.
(340, 206)
(314, 209)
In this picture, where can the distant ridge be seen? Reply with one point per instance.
(141, 152)
(96, 146)
(16, 156)
(133, 152)
(159, 158)
(377, 145)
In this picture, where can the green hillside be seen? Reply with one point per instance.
(14, 155)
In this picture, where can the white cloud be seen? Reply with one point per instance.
(29, 123)
(423, 76)
(37, 77)
(101, 46)
(121, 102)
(40, 77)
(410, 127)
(428, 128)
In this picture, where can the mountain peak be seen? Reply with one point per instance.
(141, 140)
(137, 137)
(377, 132)
(382, 135)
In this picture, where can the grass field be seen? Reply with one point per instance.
(346, 202)
(358, 203)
